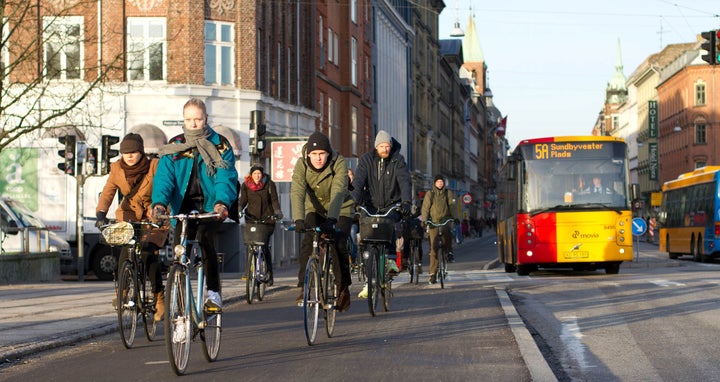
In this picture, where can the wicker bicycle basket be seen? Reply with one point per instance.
(376, 229)
(257, 233)
(119, 233)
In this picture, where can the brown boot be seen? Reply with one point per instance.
(343, 301)
(159, 305)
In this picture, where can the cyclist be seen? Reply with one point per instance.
(132, 176)
(437, 207)
(382, 179)
(319, 197)
(197, 172)
(259, 194)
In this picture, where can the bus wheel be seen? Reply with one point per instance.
(695, 249)
(612, 268)
(698, 251)
(523, 270)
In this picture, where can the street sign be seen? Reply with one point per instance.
(639, 226)
(467, 198)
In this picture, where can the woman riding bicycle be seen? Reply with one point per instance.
(259, 194)
(132, 176)
(437, 207)
(319, 197)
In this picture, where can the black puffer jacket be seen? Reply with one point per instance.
(384, 181)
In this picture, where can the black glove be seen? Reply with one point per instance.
(406, 209)
(299, 225)
(278, 216)
(328, 226)
(101, 219)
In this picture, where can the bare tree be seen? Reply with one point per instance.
(53, 67)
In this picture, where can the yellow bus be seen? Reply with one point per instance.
(688, 217)
(564, 202)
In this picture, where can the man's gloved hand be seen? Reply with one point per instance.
(222, 211)
(299, 225)
(328, 226)
(101, 219)
(406, 209)
(278, 216)
(158, 211)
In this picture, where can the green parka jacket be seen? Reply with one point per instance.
(325, 193)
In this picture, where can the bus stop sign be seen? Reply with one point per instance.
(639, 226)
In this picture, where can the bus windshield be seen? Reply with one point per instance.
(576, 183)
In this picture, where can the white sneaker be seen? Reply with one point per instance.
(179, 330)
(363, 293)
(213, 300)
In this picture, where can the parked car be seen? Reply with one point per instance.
(22, 232)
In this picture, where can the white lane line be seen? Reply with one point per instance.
(574, 349)
(666, 283)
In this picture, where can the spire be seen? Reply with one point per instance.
(471, 44)
(616, 90)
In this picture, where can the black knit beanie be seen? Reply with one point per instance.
(318, 141)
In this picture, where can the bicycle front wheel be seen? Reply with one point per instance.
(210, 335)
(330, 295)
(373, 280)
(386, 291)
(178, 322)
(261, 283)
(148, 307)
(441, 268)
(311, 300)
(250, 271)
(127, 304)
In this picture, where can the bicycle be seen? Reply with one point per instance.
(255, 235)
(134, 297)
(319, 289)
(185, 315)
(414, 237)
(376, 235)
(441, 271)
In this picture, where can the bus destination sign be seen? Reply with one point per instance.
(568, 150)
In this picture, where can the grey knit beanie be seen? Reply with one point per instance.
(382, 137)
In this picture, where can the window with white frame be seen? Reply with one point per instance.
(219, 53)
(335, 49)
(63, 47)
(4, 52)
(146, 48)
(700, 94)
(330, 45)
(353, 61)
(354, 128)
(353, 11)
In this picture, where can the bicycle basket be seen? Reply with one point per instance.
(119, 233)
(257, 233)
(377, 229)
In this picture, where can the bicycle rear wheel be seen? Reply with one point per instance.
(441, 268)
(250, 271)
(414, 267)
(261, 284)
(210, 335)
(311, 300)
(330, 295)
(148, 308)
(178, 322)
(373, 281)
(127, 304)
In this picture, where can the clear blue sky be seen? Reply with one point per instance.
(549, 61)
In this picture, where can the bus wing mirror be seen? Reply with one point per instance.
(512, 169)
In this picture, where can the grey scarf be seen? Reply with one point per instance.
(197, 138)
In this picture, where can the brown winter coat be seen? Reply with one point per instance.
(138, 206)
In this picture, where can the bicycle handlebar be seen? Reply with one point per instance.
(395, 207)
(194, 215)
(435, 225)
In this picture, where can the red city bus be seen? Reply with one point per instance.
(564, 202)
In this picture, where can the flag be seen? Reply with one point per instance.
(500, 132)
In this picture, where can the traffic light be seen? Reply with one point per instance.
(257, 132)
(68, 164)
(107, 153)
(710, 45)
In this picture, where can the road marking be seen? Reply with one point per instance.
(574, 350)
(666, 283)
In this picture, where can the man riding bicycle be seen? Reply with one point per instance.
(319, 198)
(437, 207)
(382, 179)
